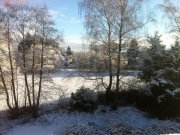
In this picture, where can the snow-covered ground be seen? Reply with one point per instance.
(125, 120)
(65, 82)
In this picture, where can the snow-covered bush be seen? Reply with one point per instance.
(168, 106)
(163, 100)
(158, 87)
(84, 99)
(158, 103)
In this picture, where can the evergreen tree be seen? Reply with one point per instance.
(25, 44)
(132, 54)
(153, 59)
(160, 65)
(174, 71)
(69, 52)
(176, 49)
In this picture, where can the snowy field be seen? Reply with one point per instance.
(66, 81)
(124, 121)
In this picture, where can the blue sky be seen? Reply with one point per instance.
(66, 17)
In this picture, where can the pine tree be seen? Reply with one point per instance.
(153, 61)
(132, 54)
(161, 65)
(174, 73)
(69, 52)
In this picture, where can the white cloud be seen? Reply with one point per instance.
(74, 20)
(56, 13)
(70, 20)
(168, 39)
(75, 43)
(60, 17)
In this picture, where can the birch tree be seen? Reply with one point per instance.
(8, 77)
(32, 29)
(98, 23)
(22, 21)
(113, 21)
(129, 20)
(172, 12)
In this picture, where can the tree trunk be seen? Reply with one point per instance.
(5, 88)
(41, 70)
(119, 58)
(110, 58)
(25, 74)
(12, 70)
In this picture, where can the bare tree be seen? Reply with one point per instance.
(22, 28)
(172, 12)
(128, 21)
(31, 28)
(10, 82)
(45, 31)
(113, 23)
(98, 22)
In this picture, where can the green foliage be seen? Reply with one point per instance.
(132, 54)
(156, 102)
(69, 52)
(108, 98)
(153, 61)
(25, 44)
(161, 70)
(161, 64)
(160, 88)
(84, 99)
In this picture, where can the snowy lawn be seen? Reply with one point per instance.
(125, 120)
(65, 82)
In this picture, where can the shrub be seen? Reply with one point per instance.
(102, 97)
(127, 96)
(144, 101)
(105, 98)
(159, 87)
(84, 99)
(165, 103)
(161, 103)
(168, 104)
(169, 107)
